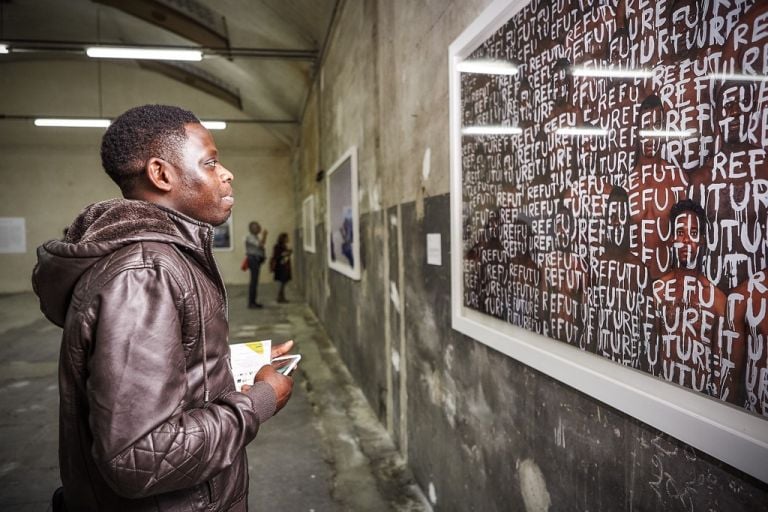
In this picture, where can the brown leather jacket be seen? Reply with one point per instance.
(130, 285)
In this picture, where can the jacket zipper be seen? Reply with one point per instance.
(219, 280)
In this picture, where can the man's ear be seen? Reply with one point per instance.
(161, 174)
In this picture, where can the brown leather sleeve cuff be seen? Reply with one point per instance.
(263, 399)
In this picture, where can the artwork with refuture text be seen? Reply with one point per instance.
(614, 185)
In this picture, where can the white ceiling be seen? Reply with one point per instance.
(60, 83)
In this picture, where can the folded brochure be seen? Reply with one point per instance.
(248, 358)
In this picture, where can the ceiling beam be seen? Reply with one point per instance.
(189, 19)
(198, 78)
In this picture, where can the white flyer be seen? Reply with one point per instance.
(248, 358)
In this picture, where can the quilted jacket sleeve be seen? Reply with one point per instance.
(144, 442)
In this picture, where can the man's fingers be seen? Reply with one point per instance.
(281, 349)
(245, 388)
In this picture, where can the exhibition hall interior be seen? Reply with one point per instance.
(520, 245)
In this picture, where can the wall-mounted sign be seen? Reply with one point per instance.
(13, 235)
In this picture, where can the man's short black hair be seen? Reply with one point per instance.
(139, 134)
(651, 102)
(688, 206)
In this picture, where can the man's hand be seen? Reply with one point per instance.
(282, 385)
(282, 349)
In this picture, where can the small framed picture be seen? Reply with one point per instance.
(308, 223)
(222, 236)
(343, 238)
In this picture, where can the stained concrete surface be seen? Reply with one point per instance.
(326, 451)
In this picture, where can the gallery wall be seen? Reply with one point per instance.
(480, 430)
(49, 175)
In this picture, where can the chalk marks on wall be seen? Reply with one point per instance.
(615, 185)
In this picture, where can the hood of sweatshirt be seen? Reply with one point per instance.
(100, 230)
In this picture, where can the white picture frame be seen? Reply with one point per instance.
(342, 216)
(724, 431)
(308, 223)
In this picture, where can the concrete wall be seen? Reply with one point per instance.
(49, 174)
(480, 430)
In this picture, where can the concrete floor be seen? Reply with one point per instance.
(326, 451)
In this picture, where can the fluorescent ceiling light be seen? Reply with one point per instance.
(611, 72)
(3, 48)
(666, 133)
(491, 130)
(105, 52)
(214, 125)
(487, 67)
(581, 131)
(74, 123)
(738, 77)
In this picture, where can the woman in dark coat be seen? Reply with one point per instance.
(281, 264)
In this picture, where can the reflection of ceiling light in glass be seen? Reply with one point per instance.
(738, 77)
(666, 133)
(74, 123)
(487, 67)
(104, 52)
(581, 131)
(214, 125)
(491, 130)
(3, 48)
(611, 72)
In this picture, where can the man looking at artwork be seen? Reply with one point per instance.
(693, 344)
(149, 415)
(256, 254)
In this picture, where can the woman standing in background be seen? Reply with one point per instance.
(254, 251)
(281, 264)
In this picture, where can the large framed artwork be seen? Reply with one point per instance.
(609, 206)
(222, 236)
(308, 223)
(343, 233)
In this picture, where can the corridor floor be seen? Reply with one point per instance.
(326, 451)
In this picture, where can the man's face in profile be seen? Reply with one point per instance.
(687, 239)
(205, 191)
